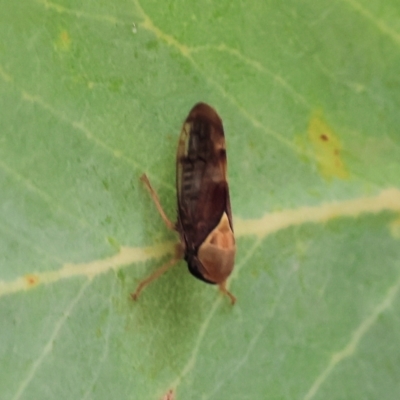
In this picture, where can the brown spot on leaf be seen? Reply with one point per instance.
(31, 280)
(327, 148)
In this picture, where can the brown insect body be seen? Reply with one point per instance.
(204, 210)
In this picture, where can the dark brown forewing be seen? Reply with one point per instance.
(202, 187)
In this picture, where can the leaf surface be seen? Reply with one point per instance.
(94, 94)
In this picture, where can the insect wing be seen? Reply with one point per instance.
(202, 188)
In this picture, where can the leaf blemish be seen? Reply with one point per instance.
(31, 280)
(63, 42)
(327, 148)
(395, 228)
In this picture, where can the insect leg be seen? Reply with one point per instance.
(158, 272)
(156, 200)
(224, 290)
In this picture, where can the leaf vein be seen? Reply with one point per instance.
(49, 345)
(354, 341)
(387, 200)
(379, 23)
(78, 13)
(186, 51)
(104, 354)
(257, 66)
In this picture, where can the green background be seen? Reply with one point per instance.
(93, 94)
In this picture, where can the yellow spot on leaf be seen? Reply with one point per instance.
(395, 228)
(327, 148)
(64, 41)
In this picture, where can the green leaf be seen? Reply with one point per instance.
(94, 94)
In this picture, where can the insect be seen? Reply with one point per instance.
(204, 224)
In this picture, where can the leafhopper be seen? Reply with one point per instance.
(204, 224)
